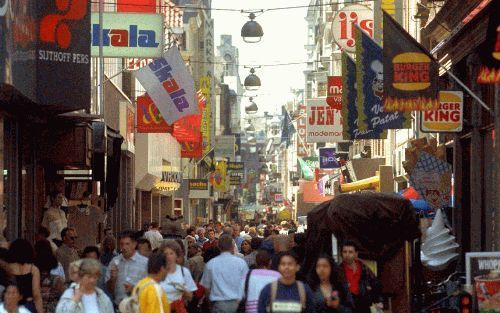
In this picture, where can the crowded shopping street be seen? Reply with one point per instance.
(232, 156)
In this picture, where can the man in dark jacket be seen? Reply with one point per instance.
(362, 287)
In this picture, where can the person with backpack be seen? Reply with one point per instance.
(256, 280)
(287, 294)
(150, 296)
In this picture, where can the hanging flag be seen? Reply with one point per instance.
(134, 6)
(149, 119)
(188, 128)
(219, 181)
(305, 170)
(170, 85)
(287, 128)
(490, 50)
(410, 72)
(208, 160)
(351, 129)
(237, 144)
(370, 88)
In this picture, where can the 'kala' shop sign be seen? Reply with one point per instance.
(131, 35)
(448, 117)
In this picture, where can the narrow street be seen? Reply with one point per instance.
(228, 156)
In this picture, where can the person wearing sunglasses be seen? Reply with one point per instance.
(67, 252)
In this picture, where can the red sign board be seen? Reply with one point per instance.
(191, 149)
(149, 119)
(334, 95)
(145, 6)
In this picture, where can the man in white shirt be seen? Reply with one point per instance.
(222, 277)
(126, 269)
(154, 236)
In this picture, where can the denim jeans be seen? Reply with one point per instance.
(229, 306)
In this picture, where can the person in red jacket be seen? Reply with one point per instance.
(212, 242)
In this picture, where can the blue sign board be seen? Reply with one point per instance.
(328, 158)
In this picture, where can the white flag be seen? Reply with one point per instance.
(169, 83)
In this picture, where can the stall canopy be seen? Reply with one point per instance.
(379, 223)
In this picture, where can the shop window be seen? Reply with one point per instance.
(178, 207)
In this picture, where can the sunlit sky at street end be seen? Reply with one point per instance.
(284, 38)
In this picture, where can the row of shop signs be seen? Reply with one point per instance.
(324, 123)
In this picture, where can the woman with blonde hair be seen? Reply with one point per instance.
(85, 297)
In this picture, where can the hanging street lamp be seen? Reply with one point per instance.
(252, 81)
(250, 129)
(252, 108)
(252, 141)
(252, 31)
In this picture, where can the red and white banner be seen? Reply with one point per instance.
(334, 92)
(170, 85)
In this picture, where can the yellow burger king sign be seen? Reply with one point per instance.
(448, 117)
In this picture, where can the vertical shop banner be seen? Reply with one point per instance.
(324, 124)
(370, 88)
(63, 53)
(328, 158)
(128, 35)
(302, 146)
(410, 72)
(431, 178)
(343, 25)
(351, 130)
(206, 117)
(334, 93)
(145, 6)
(490, 50)
(170, 85)
(394, 8)
(149, 119)
(448, 118)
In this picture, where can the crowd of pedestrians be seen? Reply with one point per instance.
(219, 268)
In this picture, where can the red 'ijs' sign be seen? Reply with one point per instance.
(334, 93)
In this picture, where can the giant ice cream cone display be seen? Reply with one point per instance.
(439, 247)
